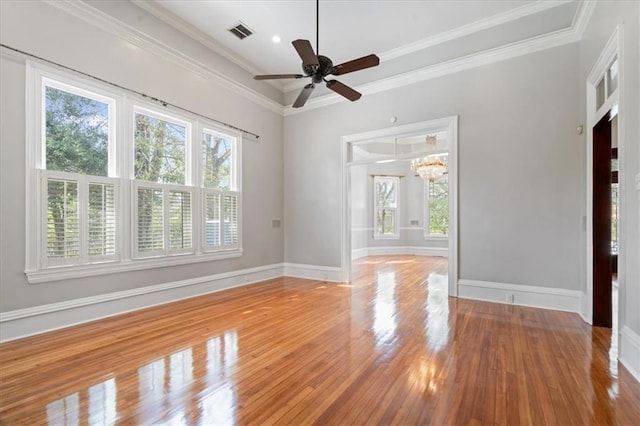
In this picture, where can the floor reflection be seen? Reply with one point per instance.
(384, 311)
(437, 310)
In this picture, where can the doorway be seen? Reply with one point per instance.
(399, 145)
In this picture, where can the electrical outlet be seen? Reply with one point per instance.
(325, 276)
(509, 298)
(275, 223)
(638, 182)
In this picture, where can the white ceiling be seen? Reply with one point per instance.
(405, 34)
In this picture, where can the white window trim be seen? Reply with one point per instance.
(427, 216)
(396, 227)
(121, 170)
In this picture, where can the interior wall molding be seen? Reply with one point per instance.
(400, 250)
(140, 39)
(523, 295)
(629, 351)
(486, 57)
(313, 272)
(40, 319)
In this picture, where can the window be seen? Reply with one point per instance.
(437, 207)
(385, 201)
(153, 188)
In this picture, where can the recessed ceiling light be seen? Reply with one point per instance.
(275, 39)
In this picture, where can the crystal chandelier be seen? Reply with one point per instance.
(429, 167)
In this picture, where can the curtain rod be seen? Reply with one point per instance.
(144, 95)
(398, 176)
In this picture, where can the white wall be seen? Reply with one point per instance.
(520, 175)
(606, 17)
(49, 32)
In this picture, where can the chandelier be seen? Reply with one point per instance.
(431, 166)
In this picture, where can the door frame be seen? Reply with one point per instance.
(449, 124)
(615, 102)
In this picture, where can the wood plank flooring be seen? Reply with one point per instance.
(391, 348)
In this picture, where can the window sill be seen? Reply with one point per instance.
(81, 271)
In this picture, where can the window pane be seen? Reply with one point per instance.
(600, 95)
(150, 220)
(438, 206)
(102, 219)
(612, 78)
(212, 225)
(385, 223)
(62, 219)
(179, 220)
(217, 160)
(386, 193)
(230, 220)
(77, 133)
(160, 150)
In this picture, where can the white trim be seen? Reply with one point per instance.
(138, 38)
(629, 351)
(523, 295)
(402, 250)
(39, 319)
(472, 28)
(486, 57)
(313, 272)
(583, 16)
(90, 270)
(359, 253)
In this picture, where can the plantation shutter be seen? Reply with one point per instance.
(230, 228)
(63, 229)
(180, 228)
(212, 220)
(150, 220)
(102, 219)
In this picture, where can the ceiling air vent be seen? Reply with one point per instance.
(241, 31)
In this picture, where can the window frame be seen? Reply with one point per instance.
(121, 162)
(396, 215)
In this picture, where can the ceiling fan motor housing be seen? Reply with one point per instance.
(318, 72)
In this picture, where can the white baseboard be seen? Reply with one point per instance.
(359, 253)
(313, 272)
(405, 250)
(40, 319)
(629, 351)
(523, 295)
(584, 311)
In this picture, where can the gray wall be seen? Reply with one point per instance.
(519, 160)
(46, 31)
(606, 17)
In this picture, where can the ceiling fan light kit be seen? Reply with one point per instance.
(319, 67)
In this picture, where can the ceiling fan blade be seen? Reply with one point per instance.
(304, 95)
(304, 49)
(276, 76)
(344, 90)
(356, 65)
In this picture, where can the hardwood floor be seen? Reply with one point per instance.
(391, 348)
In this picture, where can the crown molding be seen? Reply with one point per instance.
(583, 16)
(486, 57)
(472, 28)
(142, 40)
(200, 36)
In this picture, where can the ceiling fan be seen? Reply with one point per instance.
(318, 67)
